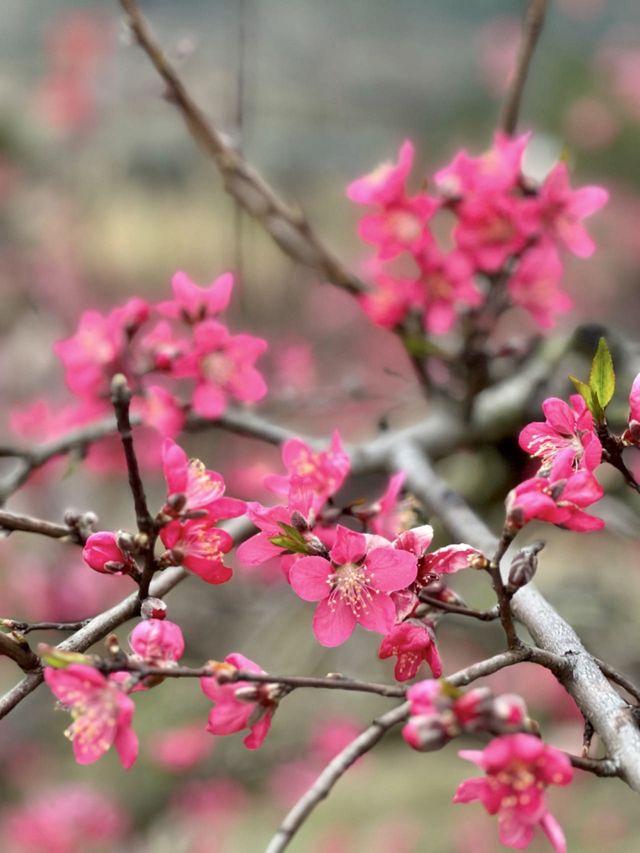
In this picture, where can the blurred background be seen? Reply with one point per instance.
(103, 196)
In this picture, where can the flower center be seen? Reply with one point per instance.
(217, 367)
(351, 583)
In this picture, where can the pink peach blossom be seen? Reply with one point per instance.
(199, 546)
(535, 285)
(567, 440)
(353, 587)
(157, 641)
(102, 554)
(445, 285)
(519, 768)
(496, 171)
(101, 711)
(412, 643)
(322, 472)
(386, 183)
(559, 501)
(231, 714)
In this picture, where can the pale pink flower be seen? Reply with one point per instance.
(519, 768)
(92, 356)
(193, 303)
(442, 561)
(400, 226)
(387, 518)
(199, 546)
(386, 184)
(65, 819)
(157, 641)
(202, 489)
(353, 586)
(412, 643)
(159, 409)
(223, 366)
(231, 714)
(322, 472)
(563, 209)
(101, 711)
(559, 501)
(567, 441)
(390, 301)
(535, 285)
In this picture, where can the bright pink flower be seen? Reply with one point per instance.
(444, 285)
(557, 500)
(199, 546)
(157, 641)
(353, 587)
(193, 303)
(223, 365)
(181, 748)
(231, 714)
(386, 184)
(412, 643)
(519, 767)
(322, 472)
(260, 548)
(202, 489)
(496, 171)
(563, 210)
(387, 510)
(567, 441)
(535, 285)
(443, 561)
(101, 553)
(65, 819)
(101, 711)
(130, 316)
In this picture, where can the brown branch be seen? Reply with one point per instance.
(618, 678)
(582, 678)
(19, 652)
(28, 627)
(28, 524)
(447, 607)
(98, 628)
(531, 30)
(336, 768)
(330, 682)
(285, 223)
(597, 766)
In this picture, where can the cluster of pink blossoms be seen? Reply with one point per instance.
(370, 578)
(187, 523)
(100, 705)
(177, 356)
(569, 450)
(504, 224)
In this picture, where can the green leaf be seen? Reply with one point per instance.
(587, 395)
(420, 347)
(60, 659)
(287, 543)
(602, 379)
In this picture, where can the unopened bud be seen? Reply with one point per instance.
(71, 517)
(299, 521)
(153, 608)
(509, 711)
(425, 733)
(177, 502)
(523, 566)
(125, 541)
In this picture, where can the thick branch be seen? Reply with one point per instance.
(532, 28)
(600, 704)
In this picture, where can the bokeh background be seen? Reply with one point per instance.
(103, 195)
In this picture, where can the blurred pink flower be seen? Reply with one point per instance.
(193, 303)
(180, 748)
(101, 711)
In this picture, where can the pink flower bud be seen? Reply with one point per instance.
(157, 641)
(102, 554)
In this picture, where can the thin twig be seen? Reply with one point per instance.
(336, 768)
(285, 223)
(19, 652)
(29, 524)
(532, 28)
(483, 615)
(597, 766)
(28, 627)
(618, 678)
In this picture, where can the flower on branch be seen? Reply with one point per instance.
(566, 441)
(354, 585)
(440, 712)
(556, 499)
(519, 768)
(194, 304)
(412, 642)
(102, 553)
(199, 546)
(157, 641)
(102, 713)
(240, 705)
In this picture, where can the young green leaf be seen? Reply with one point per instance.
(585, 392)
(602, 379)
